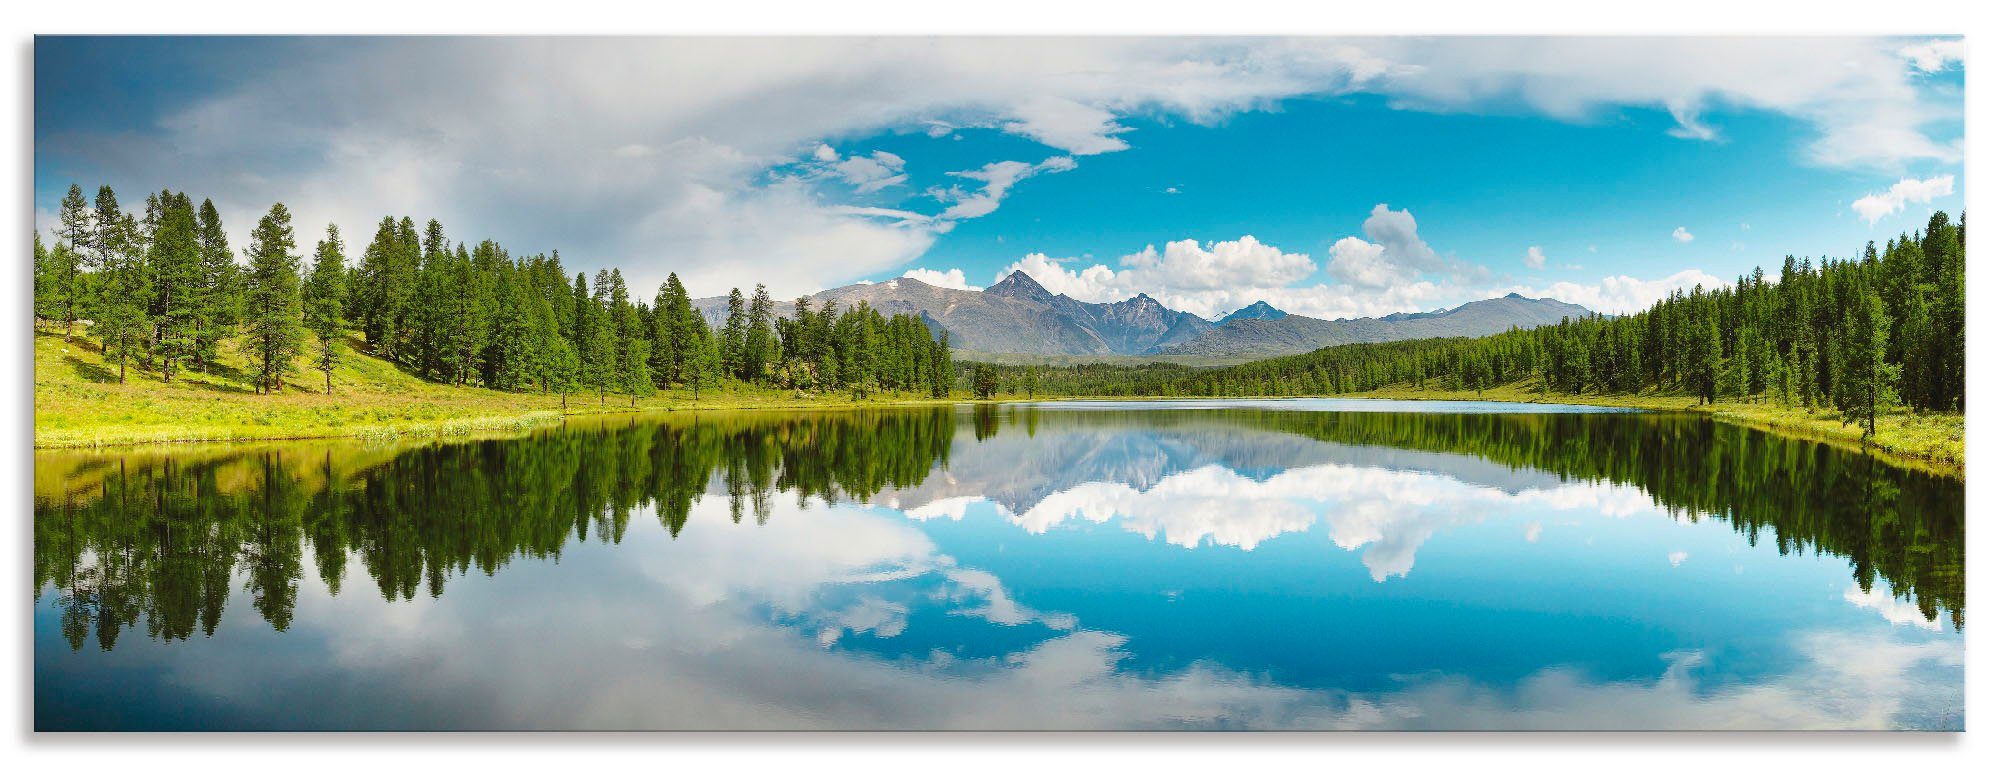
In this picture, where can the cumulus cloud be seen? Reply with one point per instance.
(1357, 261)
(1682, 235)
(1184, 274)
(1623, 294)
(1534, 258)
(951, 278)
(1874, 207)
(1396, 271)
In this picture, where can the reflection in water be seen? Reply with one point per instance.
(165, 539)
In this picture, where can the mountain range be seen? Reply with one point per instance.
(1018, 316)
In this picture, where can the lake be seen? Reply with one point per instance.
(1281, 564)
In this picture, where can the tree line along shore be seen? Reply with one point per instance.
(146, 318)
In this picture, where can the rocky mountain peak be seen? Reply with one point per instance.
(1020, 285)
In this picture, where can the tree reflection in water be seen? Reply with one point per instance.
(160, 535)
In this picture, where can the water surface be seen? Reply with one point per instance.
(1292, 564)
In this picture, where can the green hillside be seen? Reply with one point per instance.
(79, 401)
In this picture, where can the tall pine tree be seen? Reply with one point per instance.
(271, 305)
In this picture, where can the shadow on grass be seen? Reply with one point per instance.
(95, 373)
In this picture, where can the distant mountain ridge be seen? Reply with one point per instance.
(1294, 334)
(1017, 315)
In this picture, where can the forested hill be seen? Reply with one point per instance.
(161, 293)
(1860, 335)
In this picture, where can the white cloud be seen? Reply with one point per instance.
(1385, 513)
(866, 173)
(994, 181)
(1357, 261)
(1534, 258)
(1384, 276)
(1396, 254)
(952, 278)
(679, 177)
(1857, 94)
(1934, 55)
(1077, 128)
(1184, 274)
(1187, 265)
(1094, 284)
(1171, 190)
(1682, 235)
(1896, 611)
(1677, 558)
(1875, 207)
(1623, 294)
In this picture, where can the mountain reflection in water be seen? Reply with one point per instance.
(844, 569)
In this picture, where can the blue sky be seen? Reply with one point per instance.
(1332, 177)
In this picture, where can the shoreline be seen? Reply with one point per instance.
(77, 406)
(1904, 439)
(455, 427)
(1819, 427)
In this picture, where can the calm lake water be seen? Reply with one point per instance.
(1264, 565)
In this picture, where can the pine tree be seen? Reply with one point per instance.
(673, 331)
(473, 328)
(637, 377)
(119, 308)
(941, 370)
(77, 221)
(325, 295)
(219, 295)
(513, 358)
(758, 341)
(624, 320)
(596, 346)
(175, 260)
(409, 257)
(1867, 377)
(563, 370)
(58, 283)
(387, 282)
(271, 339)
(439, 302)
(704, 361)
(729, 347)
(985, 381)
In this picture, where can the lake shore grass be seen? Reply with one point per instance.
(1932, 441)
(80, 403)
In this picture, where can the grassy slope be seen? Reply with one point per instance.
(79, 402)
(1934, 441)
